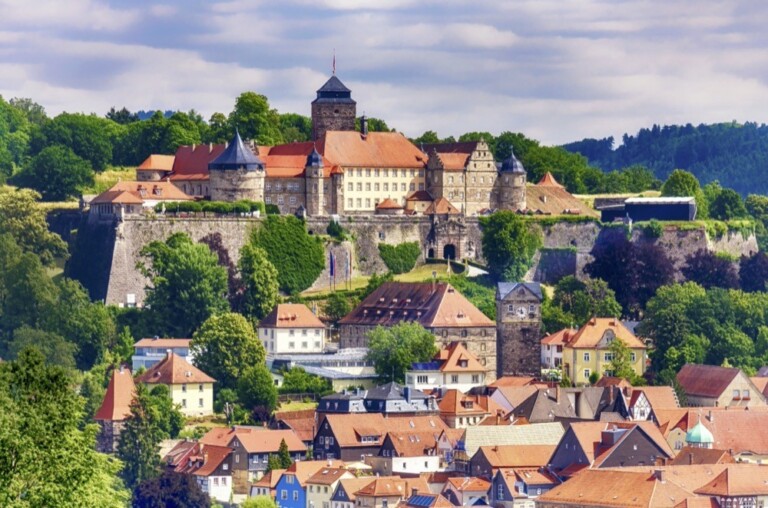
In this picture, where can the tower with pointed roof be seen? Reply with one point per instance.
(333, 109)
(115, 409)
(511, 184)
(238, 173)
(314, 174)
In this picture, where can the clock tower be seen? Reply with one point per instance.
(518, 328)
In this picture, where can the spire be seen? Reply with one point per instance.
(314, 159)
(512, 164)
(237, 156)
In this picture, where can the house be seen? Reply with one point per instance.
(390, 398)
(452, 368)
(713, 386)
(643, 401)
(302, 422)
(410, 451)
(598, 403)
(601, 445)
(133, 198)
(388, 491)
(354, 436)
(519, 487)
(437, 306)
(588, 350)
(761, 383)
(290, 491)
(738, 485)
(459, 410)
(492, 458)
(552, 348)
(189, 387)
(458, 452)
(147, 352)
(267, 485)
(213, 471)
(321, 486)
(545, 405)
(252, 446)
(466, 491)
(425, 500)
(345, 493)
(509, 397)
(115, 409)
(689, 456)
(291, 328)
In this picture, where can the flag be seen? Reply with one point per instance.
(333, 265)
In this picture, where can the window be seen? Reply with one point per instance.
(183, 402)
(510, 308)
(184, 388)
(413, 186)
(368, 172)
(200, 388)
(289, 478)
(280, 200)
(586, 357)
(376, 186)
(304, 345)
(403, 173)
(359, 172)
(450, 179)
(376, 172)
(215, 482)
(386, 187)
(632, 357)
(367, 202)
(402, 187)
(292, 200)
(745, 394)
(368, 186)
(359, 186)
(500, 491)
(608, 357)
(291, 332)
(587, 373)
(284, 494)
(475, 378)
(386, 172)
(237, 459)
(454, 378)
(291, 345)
(359, 202)
(349, 203)
(736, 394)
(421, 379)
(200, 403)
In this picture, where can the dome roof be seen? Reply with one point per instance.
(237, 156)
(512, 164)
(314, 159)
(699, 434)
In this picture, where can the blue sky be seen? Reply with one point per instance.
(556, 70)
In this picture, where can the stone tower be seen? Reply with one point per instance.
(333, 109)
(315, 184)
(518, 328)
(237, 173)
(511, 184)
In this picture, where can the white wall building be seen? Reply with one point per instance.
(452, 368)
(292, 329)
(148, 352)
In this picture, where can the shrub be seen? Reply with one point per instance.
(272, 209)
(335, 230)
(400, 258)
(654, 229)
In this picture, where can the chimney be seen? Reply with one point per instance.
(364, 126)
(414, 490)
(193, 147)
(122, 368)
(610, 395)
(407, 394)
(557, 394)
(710, 416)
(168, 352)
(155, 337)
(690, 458)
(659, 475)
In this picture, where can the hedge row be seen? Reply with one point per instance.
(243, 206)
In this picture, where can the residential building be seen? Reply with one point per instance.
(213, 471)
(466, 491)
(354, 436)
(189, 387)
(291, 328)
(738, 486)
(453, 368)
(302, 422)
(147, 352)
(322, 485)
(437, 306)
(509, 397)
(290, 491)
(410, 451)
(518, 321)
(388, 491)
(643, 401)
(345, 493)
(713, 386)
(133, 198)
(390, 398)
(552, 348)
(252, 446)
(489, 459)
(545, 405)
(115, 409)
(588, 350)
(267, 485)
(519, 487)
(600, 445)
(459, 410)
(425, 500)
(155, 168)
(689, 456)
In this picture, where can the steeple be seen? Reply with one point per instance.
(512, 164)
(237, 156)
(333, 109)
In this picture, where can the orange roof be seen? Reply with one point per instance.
(732, 428)
(559, 338)
(591, 335)
(456, 403)
(352, 485)
(214, 456)
(116, 405)
(518, 455)
(117, 197)
(328, 475)
(471, 484)
(129, 192)
(589, 435)
(738, 480)
(659, 397)
(606, 381)
(535, 476)
(548, 180)
(291, 315)
(163, 343)
(173, 370)
(388, 204)
(350, 427)
(305, 469)
(515, 381)
(290, 160)
(414, 443)
(157, 162)
(452, 161)
(302, 422)
(516, 395)
(761, 383)
(554, 200)
(616, 488)
(191, 162)
(392, 486)
(699, 502)
(441, 206)
(696, 456)
(268, 440)
(458, 359)
(376, 150)
(270, 479)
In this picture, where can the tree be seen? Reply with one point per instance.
(284, 455)
(170, 490)
(170, 421)
(255, 120)
(24, 220)
(225, 346)
(122, 116)
(219, 129)
(682, 183)
(753, 272)
(47, 458)
(34, 112)
(376, 280)
(294, 127)
(709, 270)
(393, 350)
(337, 306)
(508, 245)
(259, 502)
(727, 205)
(428, 137)
(260, 280)
(88, 136)
(188, 285)
(235, 288)
(138, 445)
(621, 364)
(273, 462)
(55, 349)
(256, 389)
(584, 300)
(297, 380)
(298, 256)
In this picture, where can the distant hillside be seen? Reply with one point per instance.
(734, 154)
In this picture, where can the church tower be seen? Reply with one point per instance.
(333, 109)
(518, 328)
(315, 184)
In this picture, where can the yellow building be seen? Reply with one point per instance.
(190, 388)
(588, 350)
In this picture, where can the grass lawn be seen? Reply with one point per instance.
(296, 406)
(109, 177)
(590, 198)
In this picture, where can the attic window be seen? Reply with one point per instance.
(157, 191)
(407, 300)
(394, 300)
(451, 290)
(381, 299)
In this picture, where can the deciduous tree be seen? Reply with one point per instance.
(170, 490)
(256, 388)
(56, 173)
(708, 269)
(24, 220)
(509, 245)
(260, 282)
(393, 350)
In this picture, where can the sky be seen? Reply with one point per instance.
(555, 70)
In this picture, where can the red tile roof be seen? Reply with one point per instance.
(157, 162)
(117, 197)
(452, 161)
(302, 422)
(513, 381)
(165, 343)
(705, 380)
(214, 456)
(456, 358)
(268, 440)
(116, 405)
(559, 338)
(696, 456)
(191, 162)
(548, 180)
(388, 204)
(595, 330)
(441, 206)
(291, 315)
(518, 455)
(738, 480)
(376, 150)
(469, 484)
(173, 370)
(130, 192)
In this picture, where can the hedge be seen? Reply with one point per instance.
(222, 207)
(400, 258)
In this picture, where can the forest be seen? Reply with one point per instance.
(734, 154)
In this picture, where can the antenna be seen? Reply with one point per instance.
(334, 61)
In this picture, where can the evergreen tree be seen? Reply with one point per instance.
(273, 462)
(284, 455)
(139, 441)
(260, 281)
